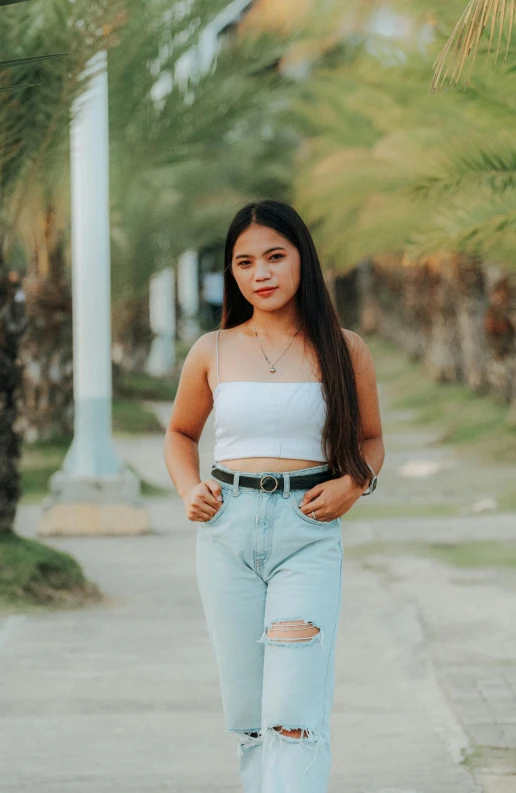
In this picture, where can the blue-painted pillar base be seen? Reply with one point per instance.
(92, 452)
(93, 505)
(95, 492)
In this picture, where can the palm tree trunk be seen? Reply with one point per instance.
(46, 353)
(132, 334)
(390, 288)
(443, 352)
(500, 333)
(12, 327)
(347, 298)
(468, 285)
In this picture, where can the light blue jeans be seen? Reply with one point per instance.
(261, 561)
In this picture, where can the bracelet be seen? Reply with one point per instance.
(368, 490)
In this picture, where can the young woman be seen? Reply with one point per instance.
(298, 440)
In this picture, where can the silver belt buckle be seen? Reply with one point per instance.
(268, 476)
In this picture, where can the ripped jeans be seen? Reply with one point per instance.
(270, 580)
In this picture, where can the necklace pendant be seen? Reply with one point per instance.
(272, 369)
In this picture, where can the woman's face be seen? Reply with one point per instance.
(264, 259)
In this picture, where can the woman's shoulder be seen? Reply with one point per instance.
(353, 339)
(204, 346)
(357, 347)
(207, 340)
(204, 342)
(202, 350)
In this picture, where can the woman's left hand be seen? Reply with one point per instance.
(331, 499)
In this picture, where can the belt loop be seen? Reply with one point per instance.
(236, 478)
(286, 484)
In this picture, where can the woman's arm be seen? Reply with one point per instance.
(192, 406)
(335, 497)
(373, 448)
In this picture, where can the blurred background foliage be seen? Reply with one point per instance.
(387, 166)
(325, 104)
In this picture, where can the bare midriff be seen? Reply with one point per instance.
(254, 465)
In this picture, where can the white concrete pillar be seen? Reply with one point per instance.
(188, 294)
(163, 323)
(94, 492)
(92, 452)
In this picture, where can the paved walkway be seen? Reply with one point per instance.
(124, 698)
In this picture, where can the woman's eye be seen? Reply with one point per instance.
(245, 262)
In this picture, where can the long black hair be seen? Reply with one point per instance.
(342, 432)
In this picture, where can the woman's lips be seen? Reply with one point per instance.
(265, 292)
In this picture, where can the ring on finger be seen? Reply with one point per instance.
(313, 515)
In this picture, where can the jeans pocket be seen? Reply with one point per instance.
(226, 497)
(314, 521)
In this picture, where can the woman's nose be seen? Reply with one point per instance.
(262, 271)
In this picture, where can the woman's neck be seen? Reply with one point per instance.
(273, 324)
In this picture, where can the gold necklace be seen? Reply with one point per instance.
(272, 366)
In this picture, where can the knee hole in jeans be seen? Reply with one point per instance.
(292, 630)
(293, 733)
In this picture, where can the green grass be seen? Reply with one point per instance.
(153, 491)
(148, 489)
(507, 501)
(128, 417)
(473, 423)
(136, 385)
(490, 757)
(34, 575)
(40, 460)
(485, 553)
(131, 417)
(477, 554)
(403, 510)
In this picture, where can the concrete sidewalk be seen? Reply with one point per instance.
(124, 698)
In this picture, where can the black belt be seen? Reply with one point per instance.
(272, 482)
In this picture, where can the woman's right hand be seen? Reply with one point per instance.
(203, 501)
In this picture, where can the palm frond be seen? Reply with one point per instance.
(473, 164)
(483, 226)
(33, 59)
(466, 35)
(19, 86)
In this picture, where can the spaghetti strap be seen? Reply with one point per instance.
(217, 348)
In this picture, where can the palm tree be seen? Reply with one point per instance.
(36, 88)
(29, 569)
(46, 348)
(12, 325)
(424, 188)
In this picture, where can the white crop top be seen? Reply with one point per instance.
(262, 419)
